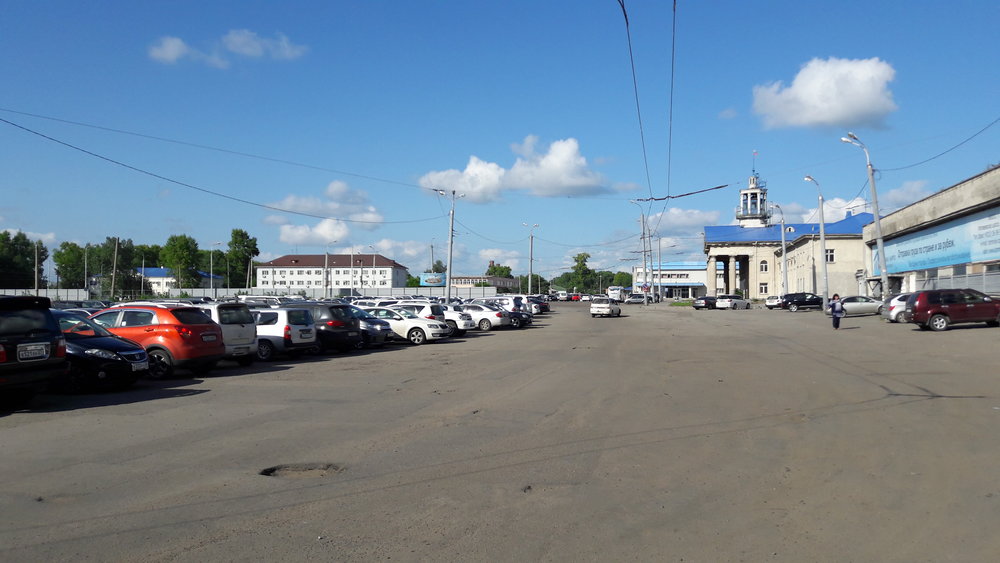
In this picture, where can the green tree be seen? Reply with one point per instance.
(499, 271)
(70, 260)
(241, 252)
(18, 266)
(412, 281)
(438, 267)
(180, 254)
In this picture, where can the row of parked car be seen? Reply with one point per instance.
(42, 347)
(931, 309)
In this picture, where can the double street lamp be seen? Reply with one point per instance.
(822, 240)
(852, 139)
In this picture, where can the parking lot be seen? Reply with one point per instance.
(666, 434)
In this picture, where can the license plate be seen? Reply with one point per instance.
(28, 352)
(139, 366)
(305, 333)
(208, 337)
(352, 334)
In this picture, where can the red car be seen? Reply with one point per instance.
(174, 336)
(937, 309)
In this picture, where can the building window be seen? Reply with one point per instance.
(830, 256)
(763, 267)
(762, 290)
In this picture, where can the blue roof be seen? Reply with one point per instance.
(168, 273)
(850, 225)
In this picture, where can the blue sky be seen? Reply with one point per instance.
(337, 121)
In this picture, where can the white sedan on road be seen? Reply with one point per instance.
(407, 326)
(605, 307)
(731, 302)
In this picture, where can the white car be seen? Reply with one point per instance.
(897, 306)
(773, 302)
(605, 307)
(284, 330)
(457, 321)
(635, 298)
(410, 327)
(486, 317)
(731, 302)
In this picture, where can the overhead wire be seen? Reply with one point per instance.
(216, 149)
(204, 190)
(974, 135)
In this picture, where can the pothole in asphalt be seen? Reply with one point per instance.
(302, 470)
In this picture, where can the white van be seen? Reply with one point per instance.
(239, 330)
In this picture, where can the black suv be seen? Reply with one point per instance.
(32, 349)
(795, 301)
(336, 326)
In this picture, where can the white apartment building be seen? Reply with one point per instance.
(335, 274)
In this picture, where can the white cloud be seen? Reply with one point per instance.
(833, 210)
(346, 208)
(728, 113)
(249, 44)
(561, 171)
(676, 221)
(904, 195)
(502, 257)
(481, 181)
(46, 238)
(243, 42)
(169, 50)
(829, 93)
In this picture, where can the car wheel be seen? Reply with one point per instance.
(452, 327)
(618, 313)
(265, 350)
(938, 323)
(515, 322)
(793, 307)
(880, 309)
(76, 380)
(592, 315)
(416, 336)
(16, 399)
(161, 365)
(485, 325)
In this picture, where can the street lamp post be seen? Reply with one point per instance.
(822, 241)
(326, 269)
(852, 139)
(451, 240)
(211, 269)
(372, 276)
(784, 254)
(531, 251)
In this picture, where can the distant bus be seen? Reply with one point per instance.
(617, 292)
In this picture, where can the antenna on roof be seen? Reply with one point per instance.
(753, 166)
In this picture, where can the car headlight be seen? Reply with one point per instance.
(101, 353)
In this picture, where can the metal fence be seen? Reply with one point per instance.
(987, 282)
(231, 293)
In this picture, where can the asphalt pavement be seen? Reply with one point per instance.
(666, 434)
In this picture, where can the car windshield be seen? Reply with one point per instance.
(75, 327)
(360, 313)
